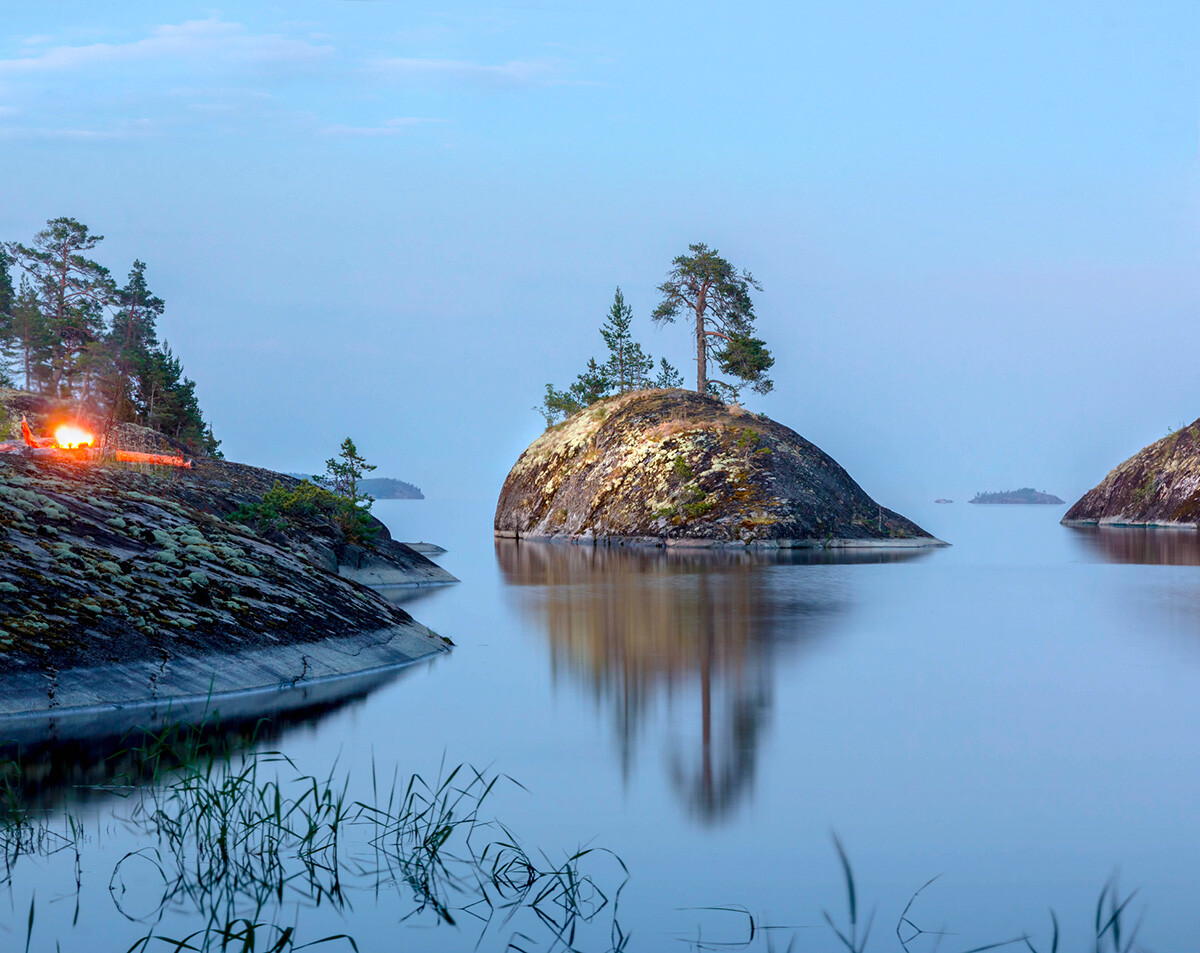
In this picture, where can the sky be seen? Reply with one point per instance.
(975, 225)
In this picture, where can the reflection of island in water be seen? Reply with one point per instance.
(1156, 546)
(697, 632)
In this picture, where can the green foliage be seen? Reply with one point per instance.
(682, 469)
(627, 368)
(668, 376)
(73, 292)
(55, 335)
(747, 438)
(748, 360)
(336, 497)
(558, 405)
(342, 476)
(280, 503)
(715, 297)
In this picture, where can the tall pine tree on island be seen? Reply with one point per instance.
(72, 293)
(130, 343)
(716, 300)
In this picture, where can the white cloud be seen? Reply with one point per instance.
(205, 41)
(389, 127)
(541, 72)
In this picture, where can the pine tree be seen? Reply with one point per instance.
(171, 404)
(716, 298)
(31, 336)
(7, 293)
(668, 375)
(73, 292)
(628, 366)
(8, 336)
(129, 344)
(343, 474)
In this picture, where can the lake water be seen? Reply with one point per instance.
(1018, 713)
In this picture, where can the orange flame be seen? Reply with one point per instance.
(69, 437)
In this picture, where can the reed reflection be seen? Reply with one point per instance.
(689, 637)
(1139, 545)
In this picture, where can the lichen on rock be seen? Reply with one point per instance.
(673, 467)
(102, 564)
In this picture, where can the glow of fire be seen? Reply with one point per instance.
(69, 437)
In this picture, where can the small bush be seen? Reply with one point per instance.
(279, 504)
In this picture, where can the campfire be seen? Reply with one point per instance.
(75, 442)
(70, 437)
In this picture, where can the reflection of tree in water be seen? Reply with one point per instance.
(692, 627)
(1140, 545)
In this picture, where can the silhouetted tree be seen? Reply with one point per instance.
(72, 292)
(129, 347)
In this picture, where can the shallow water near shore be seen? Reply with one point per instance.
(1017, 713)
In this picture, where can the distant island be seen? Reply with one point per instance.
(381, 488)
(1026, 494)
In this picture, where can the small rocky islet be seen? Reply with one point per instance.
(672, 467)
(1158, 486)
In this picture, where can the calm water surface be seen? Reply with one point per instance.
(1018, 713)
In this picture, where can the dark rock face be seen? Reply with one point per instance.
(102, 564)
(676, 467)
(1158, 486)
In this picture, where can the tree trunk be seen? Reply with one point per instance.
(701, 343)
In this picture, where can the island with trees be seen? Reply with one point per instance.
(124, 583)
(1026, 494)
(629, 456)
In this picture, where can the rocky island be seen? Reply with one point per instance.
(677, 468)
(1158, 486)
(1026, 494)
(115, 579)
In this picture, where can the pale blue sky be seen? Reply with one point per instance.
(975, 224)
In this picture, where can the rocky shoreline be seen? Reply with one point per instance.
(1158, 486)
(153, 573)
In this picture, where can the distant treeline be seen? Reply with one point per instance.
(381, 488)
(1026, 494)
(68, 330)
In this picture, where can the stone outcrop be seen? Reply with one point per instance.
(673, 467)
(1158, 486)
(103, 564)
